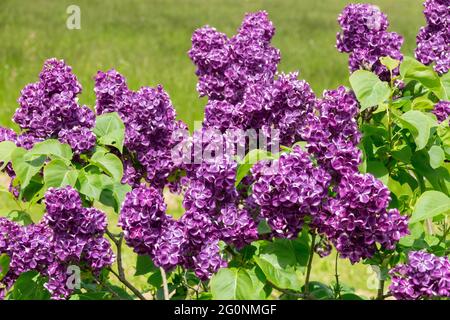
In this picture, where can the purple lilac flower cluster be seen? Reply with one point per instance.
(357, 218)
(213, 214)
(442, 110)
(289, 189)
(365, 37)
(67, 235)
(226, 67)
(238, 75)
(424, 276)
(433, 40)
(333, 134)
(300, 187)
(149, 118)
(49, 109)
(169, 242)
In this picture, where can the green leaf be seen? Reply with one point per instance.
(443, 132)
(351, 296)
(4, 265)
(237, 284)
(144, 265)
(378, 169)
(26, 167)
(263, 227)
(389, 63)
(320, 291)
(422, 103)
(411, 69)
(420, 125)
(57, 174)
(52, 148)
(6, 150)
(437, 177)
(282, 261)
(109, 163)
(120, 191)
(29, 286)
(110, 130)
(90, 184)
(20, 217)
(403, 154)
(369, 89)
(399, 189)
(430, 204)
(445, 82)
(437, 156)
(249, 160)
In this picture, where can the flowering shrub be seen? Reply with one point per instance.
(363, 171)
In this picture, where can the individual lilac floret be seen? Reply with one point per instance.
(365, 37)
(358, 219)
(442, 110)
(289, 189)
(424, 276)
(433, 40)
(50, 105)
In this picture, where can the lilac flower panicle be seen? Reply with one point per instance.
(50, 106)
(424, 276)
(168, 251)
(433, 40)
(333, 136)
(226, 66)
(142, 217)
(296, 189)
(208, 261)
(358, 218)
(365, 37)
(68, 234)
(150, 121)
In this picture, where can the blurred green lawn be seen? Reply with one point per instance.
(147, 41)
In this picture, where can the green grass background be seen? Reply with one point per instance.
(147, 41)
